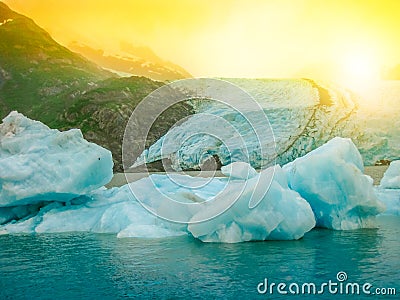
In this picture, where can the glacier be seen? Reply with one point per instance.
(303, 115)
(331, 179)
(39, 164)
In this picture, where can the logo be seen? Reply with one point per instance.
(340, 286)
(228, 126)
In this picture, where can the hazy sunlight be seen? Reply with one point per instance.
(360, 70)
(229, 38)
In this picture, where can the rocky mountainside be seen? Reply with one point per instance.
(35, 71)
(47, 82)
(139, 61)
(103, 112)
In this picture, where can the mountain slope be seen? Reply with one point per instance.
(35, 71)
(139, 61)
(103, 112)
(47, 82)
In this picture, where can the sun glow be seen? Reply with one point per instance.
(330, 40)
(360, 69)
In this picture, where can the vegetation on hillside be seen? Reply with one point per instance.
(47, 82)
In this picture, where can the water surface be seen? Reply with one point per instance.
(94, 266)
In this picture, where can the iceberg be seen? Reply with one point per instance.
(391, 178)
(102, 211)
(53, 181)
(331, 179)
(265, 209)
(278, 213)
(239, 170)
(389, 189)
(391, 199)
(245, 206)
(39, 164)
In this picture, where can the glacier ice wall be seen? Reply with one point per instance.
(303, 116)
(300, 123)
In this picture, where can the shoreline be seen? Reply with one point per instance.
(376, 172)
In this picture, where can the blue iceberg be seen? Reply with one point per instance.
(391, 178)
(219, 211)
(389, 189)
(331, 179)
(52, 181)
(41, 164)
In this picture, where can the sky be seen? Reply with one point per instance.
(351, 39)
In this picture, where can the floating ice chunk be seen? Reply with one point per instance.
(244, 206)
(103, 211)
(391, 199)
(391, 178)
(38, 163)
(331, 179)
(389, 189)
(229, 209)
(214, 209)
(29, 223)
(239, 170)
(279, 213)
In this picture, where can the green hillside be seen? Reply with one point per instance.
(47, 82)
(35, 71)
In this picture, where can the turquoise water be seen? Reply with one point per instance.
(100, 266)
